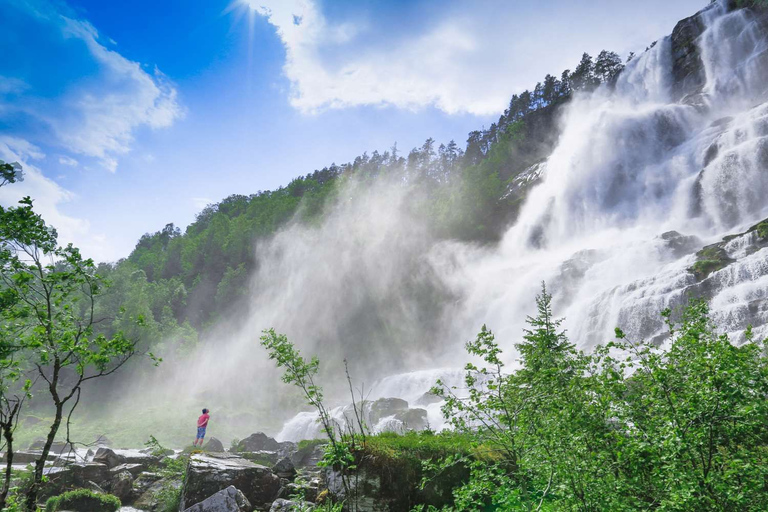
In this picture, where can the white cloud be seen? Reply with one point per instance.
(69, 161)
(97, 115)
(470, 58)
(48, 199)
(9, 85)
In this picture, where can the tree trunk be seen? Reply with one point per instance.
(8, 435)
(32, 493)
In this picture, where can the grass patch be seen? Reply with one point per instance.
(83, 499)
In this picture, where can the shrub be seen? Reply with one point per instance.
(83, 499)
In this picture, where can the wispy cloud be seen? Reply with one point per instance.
(68, 161)
(49, 198)
(459, 58)
(95, 116)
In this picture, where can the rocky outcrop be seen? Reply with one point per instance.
(214, 445)
(210, 473)
(226, 500)
(687, 69)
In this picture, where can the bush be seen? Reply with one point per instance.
(83, 500)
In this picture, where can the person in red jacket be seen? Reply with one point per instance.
(202, 423)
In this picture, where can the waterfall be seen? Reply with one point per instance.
(646, 172)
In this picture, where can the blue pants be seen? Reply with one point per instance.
(200, 432)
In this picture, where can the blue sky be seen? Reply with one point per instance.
(130, 115)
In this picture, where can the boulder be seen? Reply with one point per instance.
(133, 469)
(148, 499)
(77, 474)
(413, 419)
(309, 456)
(27, 457)
(428, 399)
(122, 486)
(285, 469)
(108, 457)
(214, 445)
(226, 500)
(384, 407)
(258, 442)
(211, 472)
(283, 505)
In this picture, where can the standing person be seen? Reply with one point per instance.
(202, 423)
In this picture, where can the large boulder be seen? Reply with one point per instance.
(283, 505)
(214, 445)
(75, 475)
(413, 419)
(258, 442)
(212, 472)
(230, 499)
(384, 407)
(108, 457)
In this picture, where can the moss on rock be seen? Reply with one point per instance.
(83, 500)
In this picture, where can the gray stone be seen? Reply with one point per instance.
(214, 445)
(384, 407)
(148, 499)
(309, 456)
(122, 486)
(212, 472)
(144, 481)
(258, 442)
(78, 474)
(283, 505)
(134, 469)
(230, 499)
(413, 419)
(108, 457)
(285, 469)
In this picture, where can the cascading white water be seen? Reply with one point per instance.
(633, 162)
(630, 165)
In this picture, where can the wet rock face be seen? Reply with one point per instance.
(209, 473)
(687, 69)
(230, 499)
